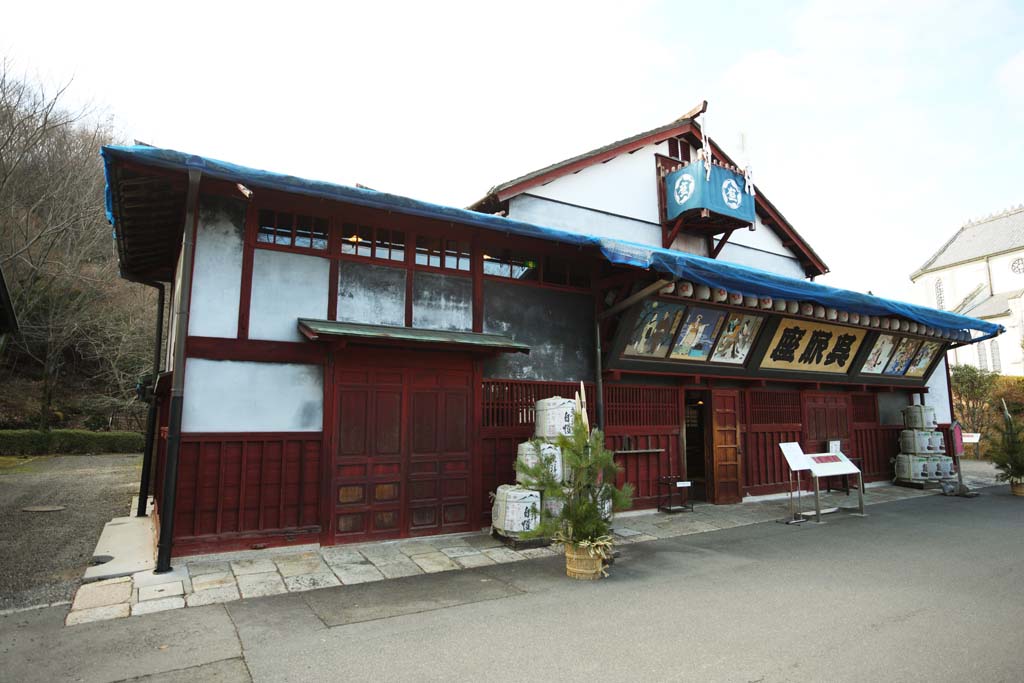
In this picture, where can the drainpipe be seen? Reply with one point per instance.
(598, 380)
(163, 556)
(147, 457)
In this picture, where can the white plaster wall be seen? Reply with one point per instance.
(235, 396)
(957, 283)
(1003, 277)
(217, 281)
(538, 210)
(286, 287)
(938, 394)
(625, 185)
(755, 258)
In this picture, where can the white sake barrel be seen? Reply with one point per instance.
(912, 467)
(515, 510)
(935, 467)
(528, 455)
(919, 417)
(938, 443)
(554, 416)
(915, 441)
(946, 468)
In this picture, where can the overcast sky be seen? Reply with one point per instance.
(877, 128)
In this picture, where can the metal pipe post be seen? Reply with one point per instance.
(598, 380)
(147, 456)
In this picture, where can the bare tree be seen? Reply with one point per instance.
(56, 249)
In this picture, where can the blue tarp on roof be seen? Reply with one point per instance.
(711, 272)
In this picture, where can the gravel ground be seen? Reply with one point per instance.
(43, 554)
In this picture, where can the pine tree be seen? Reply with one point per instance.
(587, 493)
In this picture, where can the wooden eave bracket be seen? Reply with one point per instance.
(669, 237)
(721, 243)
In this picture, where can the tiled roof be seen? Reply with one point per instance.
(991, 235)
(994, 306)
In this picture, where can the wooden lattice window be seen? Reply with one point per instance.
(286, 229)
(865, 408)
(370, 242)
(439, 252)
(775, 408)
(634, 406)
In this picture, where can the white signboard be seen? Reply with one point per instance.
(972, 437)
(830, 464)
(795, 457)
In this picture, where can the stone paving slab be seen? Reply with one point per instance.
(261, 585)
(161, 605)
(211, 579)
(213, 596)
(244, 567)
(350, 574)
(300, 564)
(90, 614)
(208, 581)
(200, 568)
(399, 569)
(161, 590)
(308, 582)
(434, 562)
(103, 593)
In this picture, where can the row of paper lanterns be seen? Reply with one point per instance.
(808, 309)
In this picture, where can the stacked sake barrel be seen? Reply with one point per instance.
(516, 507)
(922, 457)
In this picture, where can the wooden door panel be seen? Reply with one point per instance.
(369, 462)
(726, 453)
(403, 463)
(827, 418)
(439, 478)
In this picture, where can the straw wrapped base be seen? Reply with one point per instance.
(1017, 488)
(580, 564)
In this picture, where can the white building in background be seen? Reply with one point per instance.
(979, 272)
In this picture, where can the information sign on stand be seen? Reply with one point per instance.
(797, 461)
(833, 465)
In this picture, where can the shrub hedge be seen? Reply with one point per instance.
(68, 441)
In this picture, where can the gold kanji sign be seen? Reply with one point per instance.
(809, 346)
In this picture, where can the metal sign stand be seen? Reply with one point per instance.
(829, 465)
(795, 459)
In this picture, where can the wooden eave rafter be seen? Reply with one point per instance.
(558, 170)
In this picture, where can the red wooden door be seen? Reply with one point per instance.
(827, 417)
(727, 449)
(370, 458)
(403, 463)
(439, 454)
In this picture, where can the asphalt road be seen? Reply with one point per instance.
(43, 554)
(921, 589)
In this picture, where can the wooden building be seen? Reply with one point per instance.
(347, 365)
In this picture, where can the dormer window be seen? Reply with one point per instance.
(678, 149)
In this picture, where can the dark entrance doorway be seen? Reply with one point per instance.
(403, 459)
(696, 444)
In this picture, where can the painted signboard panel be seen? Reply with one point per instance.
(879, 355)
(697, 334)
(737, 339)
(902, 357)
(923, 360)
(654, 330)
(810, 346)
